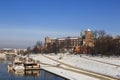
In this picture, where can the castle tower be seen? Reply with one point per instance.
(88, 35)
(47, 41)
(88, 41)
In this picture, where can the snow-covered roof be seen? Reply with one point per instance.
(73, 37)
(61, 39)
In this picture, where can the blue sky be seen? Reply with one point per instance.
(23, 22)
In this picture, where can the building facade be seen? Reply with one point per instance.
(74, 42)
(88, 41)
(68, 42)
(47, 41)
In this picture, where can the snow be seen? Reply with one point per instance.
(112, 60)
(68, 74)
(91, 65)
(64, 73)
(80, 62)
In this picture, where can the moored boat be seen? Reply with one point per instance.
(18, 66)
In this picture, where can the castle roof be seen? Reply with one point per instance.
(88, 30)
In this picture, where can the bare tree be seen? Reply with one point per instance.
(95, 34)
(38, 48)
(101, 33)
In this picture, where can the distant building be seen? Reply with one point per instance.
(21, 51)
(88, 35)
(1, 51)
(64, 41)
(67, 41)
(88, 41)
(72, 42)
(8, 51)
(47, 41)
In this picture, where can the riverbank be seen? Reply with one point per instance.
(79, 62)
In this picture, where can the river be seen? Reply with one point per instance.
(28, 75)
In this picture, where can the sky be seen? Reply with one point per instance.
(23, 22)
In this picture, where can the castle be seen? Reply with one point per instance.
(85, 40)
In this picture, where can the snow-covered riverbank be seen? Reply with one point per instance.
(79, 62)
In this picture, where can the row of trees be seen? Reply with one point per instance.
(105, 44)
(37, 48)
(51, 47)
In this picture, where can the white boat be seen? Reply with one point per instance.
(18, 66)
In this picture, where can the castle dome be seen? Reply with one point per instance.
(88, 30)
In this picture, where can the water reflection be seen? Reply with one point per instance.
(32, 73)
(6, 74)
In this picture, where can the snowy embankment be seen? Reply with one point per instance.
(112, 60)
(91, 65)
(59, 71)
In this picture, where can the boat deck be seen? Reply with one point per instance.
(32, 66)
